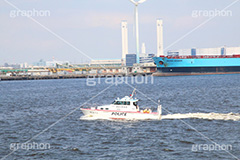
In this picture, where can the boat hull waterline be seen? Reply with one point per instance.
(121, 115)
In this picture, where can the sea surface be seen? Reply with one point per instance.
(47, 112)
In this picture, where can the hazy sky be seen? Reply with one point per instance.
(93, 26)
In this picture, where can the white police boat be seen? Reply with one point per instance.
(121, 109)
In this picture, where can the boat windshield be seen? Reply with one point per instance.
(121, 102)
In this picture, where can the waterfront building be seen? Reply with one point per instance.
(106, 62)
(131, 59)
(146, 58)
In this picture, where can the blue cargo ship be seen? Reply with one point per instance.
(198, 64)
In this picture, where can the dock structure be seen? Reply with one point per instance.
(80, 72)
(40, 77)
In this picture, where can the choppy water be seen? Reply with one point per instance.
(199, 110)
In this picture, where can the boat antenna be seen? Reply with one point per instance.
(134, 91)
(159, 110)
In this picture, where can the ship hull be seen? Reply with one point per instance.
(197, 64)
(199, 69)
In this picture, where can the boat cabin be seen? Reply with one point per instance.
(123, 104)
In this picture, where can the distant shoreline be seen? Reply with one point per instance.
(68, 76)
(40, 77)
(74, 76)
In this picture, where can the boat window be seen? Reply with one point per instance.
(101, 108)
(118, 103)
(106, 108)
(126, 103)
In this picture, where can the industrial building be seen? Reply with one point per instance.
(143, 57)
(131, 59)
(146, 58)
(106, 62)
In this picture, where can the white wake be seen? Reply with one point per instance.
(209, 116)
